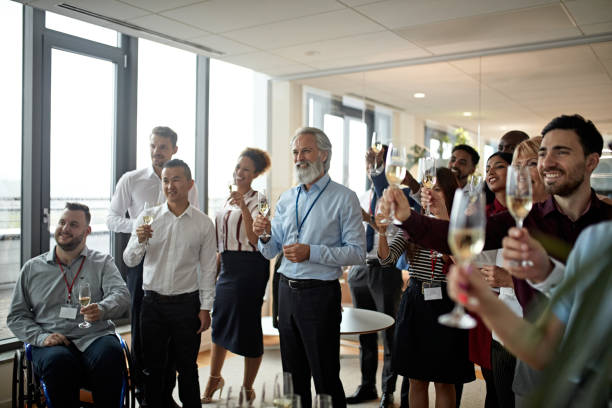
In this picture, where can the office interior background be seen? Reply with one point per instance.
(83, 82)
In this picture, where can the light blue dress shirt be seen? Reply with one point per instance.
(333, 229)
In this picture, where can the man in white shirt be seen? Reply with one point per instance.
(179, 273)
(134, 189)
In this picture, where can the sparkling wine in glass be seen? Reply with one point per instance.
(263, 205)
(466, 236)
(84, 300)
(283, 393)
(518, 196)
(427, 173)
(376, 146)
(395, 170)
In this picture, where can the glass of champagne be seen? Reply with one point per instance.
(427, 172)
(395, 170)
(323, 401)
(376, 146)
(263, 206)
(232, 187)
(466, 235)
(84, 299)
(147, 215)
(283, 394)
(518, 196)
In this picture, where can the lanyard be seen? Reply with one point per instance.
(297, 222)
(434, 260)
(69, 287)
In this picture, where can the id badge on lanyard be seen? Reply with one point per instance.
(69, 311)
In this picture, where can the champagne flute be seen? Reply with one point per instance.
(147, 216)
(263, 206)
(84, 299)
(395, 170)
(323, 401)
(232, 187)
(283, 397)
(518, 196)
(466, 237)
(427, 173)
(376, 146)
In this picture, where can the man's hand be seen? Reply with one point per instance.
(519, 246)
(297, 252)
(144, 232)
(496, 277)
(261, 224)
(204, 317)
(467, 287)
(56, 339)
(91, 312)
(395, 198)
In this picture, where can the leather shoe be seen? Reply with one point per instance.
(361, 395)
(386, 400)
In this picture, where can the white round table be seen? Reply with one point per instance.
(354, 321)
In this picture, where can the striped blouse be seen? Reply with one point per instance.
(420, 267)
(230, 227)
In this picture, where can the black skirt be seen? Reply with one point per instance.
(423, 348)
(236, 314)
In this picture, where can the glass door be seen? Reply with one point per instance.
(82, 123)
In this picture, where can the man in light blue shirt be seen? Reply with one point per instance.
(318, 228)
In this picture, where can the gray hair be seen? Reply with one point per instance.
(323, 142)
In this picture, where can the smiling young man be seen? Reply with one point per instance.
(318, 227)
(179, 271)
(463, 162)
(44, 312)
(134, 188)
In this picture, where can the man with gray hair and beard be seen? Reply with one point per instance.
(318, 227)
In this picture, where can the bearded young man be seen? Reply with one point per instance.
(45, 312)
(318, 227)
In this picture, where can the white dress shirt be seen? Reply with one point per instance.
(133, 189)
(181, 256)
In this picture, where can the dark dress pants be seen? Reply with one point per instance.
(134, 284)
(378, 288)
(65, 369)
(503, 364)
(169, 326)
(309, 325)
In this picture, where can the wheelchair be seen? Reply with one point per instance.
(30, 391)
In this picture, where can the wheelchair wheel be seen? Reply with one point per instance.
(17, 391)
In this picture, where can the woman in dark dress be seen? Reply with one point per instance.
(425, 351)
(244, 273)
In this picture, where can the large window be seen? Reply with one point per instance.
(10, 166)
(82, 129)
(237, 120)
(166, 97)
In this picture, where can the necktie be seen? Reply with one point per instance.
(369, 229)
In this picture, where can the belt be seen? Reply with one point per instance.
(306, 283)
(171, 298)
(373, 262)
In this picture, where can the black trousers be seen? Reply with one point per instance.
(169, 328)
(379, 288)
(309, 325)
(503, 364)
(134, 284)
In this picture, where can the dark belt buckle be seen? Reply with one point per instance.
(293, 284)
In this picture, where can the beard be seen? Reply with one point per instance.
(308, 174)
(575, 178)
(70, 245)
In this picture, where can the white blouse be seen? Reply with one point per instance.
(230, 226)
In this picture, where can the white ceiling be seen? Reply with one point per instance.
(288, 37)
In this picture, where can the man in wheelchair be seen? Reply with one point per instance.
(66, 351)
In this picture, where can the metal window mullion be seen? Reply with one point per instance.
(202, 129)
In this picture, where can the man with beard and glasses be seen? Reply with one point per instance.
(318, 228)
(45, 312)
(133, 189)
(569, 153)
